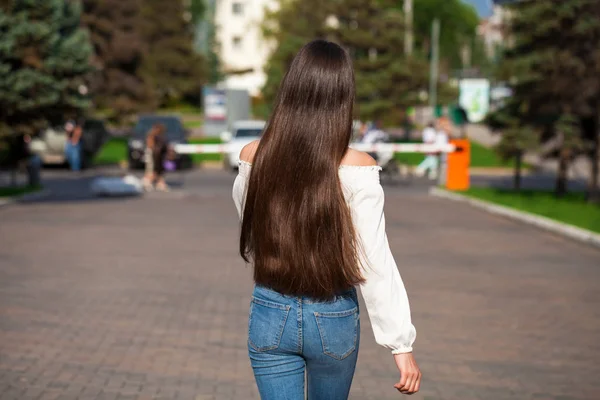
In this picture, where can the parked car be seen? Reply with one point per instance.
(50, 144)
(175, 133)
(243, 132)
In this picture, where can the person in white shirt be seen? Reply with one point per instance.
(313, 229)
(430, 163)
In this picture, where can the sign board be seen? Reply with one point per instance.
(474, 98)
(215, 104)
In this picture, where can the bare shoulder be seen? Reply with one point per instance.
(248, 151)
(358, 158)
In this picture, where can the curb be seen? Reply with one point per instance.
(570, 231)
(42, 194)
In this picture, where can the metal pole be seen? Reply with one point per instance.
(408, 27)
(435, 56)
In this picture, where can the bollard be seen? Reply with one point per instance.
(457, 175)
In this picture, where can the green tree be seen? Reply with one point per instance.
(290, 27)
(556, 78)
(459, 23)
(372, 31)
(170, 65)
(44, 58)
(118, 55)
(517, 139)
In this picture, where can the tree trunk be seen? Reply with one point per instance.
(563, 172)
(518, 169)
(593, 192)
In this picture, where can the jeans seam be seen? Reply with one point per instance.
(300, 340)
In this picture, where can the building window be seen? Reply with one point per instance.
(237, 8)
(237, 42)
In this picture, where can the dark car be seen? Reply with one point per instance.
(175, 133)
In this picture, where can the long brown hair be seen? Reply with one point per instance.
(296, 226)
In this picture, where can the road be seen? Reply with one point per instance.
(147, 299)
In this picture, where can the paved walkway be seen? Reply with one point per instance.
(147, 299)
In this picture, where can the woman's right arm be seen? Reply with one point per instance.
(383, 289)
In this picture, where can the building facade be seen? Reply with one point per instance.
(493, 31)
(242, 50)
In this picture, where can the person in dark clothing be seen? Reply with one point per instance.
(156, 154)
(159, 156)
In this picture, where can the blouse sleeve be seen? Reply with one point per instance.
(383, 289)
(239, 192)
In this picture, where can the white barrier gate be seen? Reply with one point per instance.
(377, 147)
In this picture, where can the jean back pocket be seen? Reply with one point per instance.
(266, 324)
(339, 332)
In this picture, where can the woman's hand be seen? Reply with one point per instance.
(410, 375)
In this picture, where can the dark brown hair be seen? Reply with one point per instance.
(296, 226)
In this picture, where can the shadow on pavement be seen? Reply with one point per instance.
(62, 185)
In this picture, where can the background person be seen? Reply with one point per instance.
(442, 138)
(154, 158)
(429, 165)
(313, 227)
(73, 146)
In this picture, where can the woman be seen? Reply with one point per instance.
(313, 228)
(154, 158)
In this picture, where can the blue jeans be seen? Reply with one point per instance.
(73, 154)
(289, 336)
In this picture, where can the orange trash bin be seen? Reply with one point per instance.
(458, 165)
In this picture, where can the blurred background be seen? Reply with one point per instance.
(121, 123)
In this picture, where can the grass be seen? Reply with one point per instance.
(113, 152)
(18, 190)
(481, 157)
(191, 124)
(198, 158)
(571, 209)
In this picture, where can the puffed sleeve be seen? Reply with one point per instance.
(383, 289)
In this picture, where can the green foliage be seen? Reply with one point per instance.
(372, 31)
(197, 10)
(144, 54)
(459, 23)
(118, 53)
(517, 138)
(290, 27)
(170, 64)
(44, 58)
(554, 67)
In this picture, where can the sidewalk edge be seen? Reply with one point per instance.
(570, 231)
(42, 194)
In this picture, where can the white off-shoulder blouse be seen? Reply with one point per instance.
(383, 289)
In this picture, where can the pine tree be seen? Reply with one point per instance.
(44, 58)
(118, 54)
(517, 139)
(555, 63)
(170, 64)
